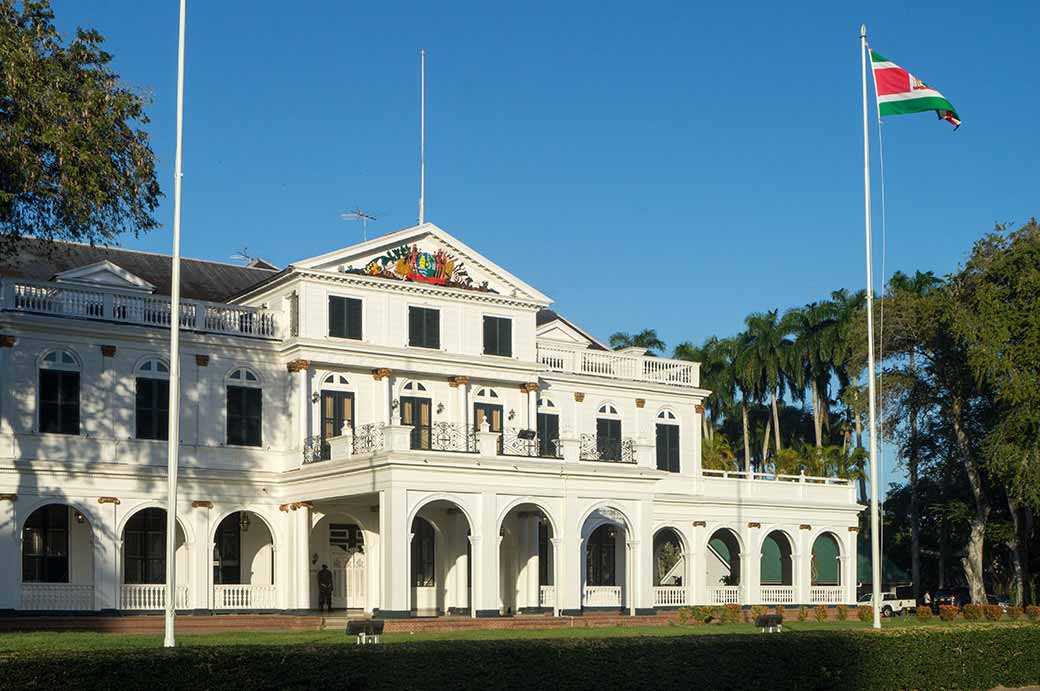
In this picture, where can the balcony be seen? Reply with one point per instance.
(595, 448)
(134, 308)
(620, 365)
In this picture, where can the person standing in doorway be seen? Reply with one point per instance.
(324, 590)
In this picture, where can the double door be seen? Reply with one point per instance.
(337, 409)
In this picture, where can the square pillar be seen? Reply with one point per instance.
(698, 594)
(301, 522)
(301, 369)
(108, 556)
(11, 562)
(486, 555)
(395, 550)
(531, 528)
(752, 565)
(200, 579)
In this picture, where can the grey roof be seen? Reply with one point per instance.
(39, 260)
(546, 315)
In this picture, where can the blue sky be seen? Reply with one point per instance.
(667, 165)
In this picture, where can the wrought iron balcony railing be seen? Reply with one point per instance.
(512, 444)
(596, 448)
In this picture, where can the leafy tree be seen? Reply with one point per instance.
(74, 164)
(647, 338)
(764, 357)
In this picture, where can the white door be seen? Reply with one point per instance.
(348, 579)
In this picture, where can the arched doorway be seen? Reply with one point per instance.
(338, 541)
(605, 559)
(441, 558)
(526, 561)
(243, 563)
(144, 562)
(57, 560)
(825, 570)
(669, 569)
(722, 568)
(776, 570)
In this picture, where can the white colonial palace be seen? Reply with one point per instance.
(404, 411)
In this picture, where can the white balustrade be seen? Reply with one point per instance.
(724, 595)
(149, 596)
(57, 596)
(547, 596)
(620, 366)
(134, 308)
(243, 596)
(826, 595)
(602, 596)
(777, 594)
(669, 596)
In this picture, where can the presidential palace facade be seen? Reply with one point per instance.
(404, 411)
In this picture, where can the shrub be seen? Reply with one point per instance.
(924, 613)
(803, 613)
(948, 612)
(820, 612)
(779, 609)
(843, 613)
(972, 612)
(865, 613)
(757, 611)
(993, 612)
(731, 614)
(1014, 613)
(1032, 612)
(718, 613)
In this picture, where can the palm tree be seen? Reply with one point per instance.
(764, 358)
(812, 356)
(716, 360)
(647, 338)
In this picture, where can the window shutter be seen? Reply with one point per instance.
(354, 319)
(433, 328)
(490, 346)
(415, 327)
(505, 337)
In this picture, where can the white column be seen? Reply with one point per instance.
(462, 566)
(395, 552)
(556, 545)
(486, 578)
(849, 563)
(6, 425)
(533, 564)
(301, 368)
(803, 572)
(302, 550)
(11, 560)
(200, 580)
(691, 461)
(532, 405)
(752, 564)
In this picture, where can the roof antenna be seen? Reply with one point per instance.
(242, 255)
(422, 132)
(357, 214)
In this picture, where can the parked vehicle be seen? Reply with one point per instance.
(958, 597)
(891, 603)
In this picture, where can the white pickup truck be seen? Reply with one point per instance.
(891, 603)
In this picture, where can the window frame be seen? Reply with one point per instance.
(44, 559)
(484, 336)
(413, 342)
(152, 370)
(243, 384)
(361, 317)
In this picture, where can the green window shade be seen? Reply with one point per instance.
(345, 317)
(825, 563)
(424, 327)
(498, 336)
(772, 562)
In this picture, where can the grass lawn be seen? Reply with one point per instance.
(74, 641)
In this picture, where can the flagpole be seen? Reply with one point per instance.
(422, 132)
(875, 546)
(173, 443)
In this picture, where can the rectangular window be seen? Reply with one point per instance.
(337, 410)
(227, 552)
(153, 404)
(59, 402)
(415, 412)
(608, 439)
(45, 545)
(490, 412)
(344, 317)
(498, 336)
(548, 435)
(424, 327)
(668, 448)
(144, 548)
(244, 414)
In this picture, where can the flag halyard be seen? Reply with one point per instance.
(899, 92)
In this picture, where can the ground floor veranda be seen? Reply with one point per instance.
(402, 552)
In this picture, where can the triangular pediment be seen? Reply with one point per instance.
(425, 254)
(562, 334)
(104, 273)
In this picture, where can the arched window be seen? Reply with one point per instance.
(600, 556)
(144, 547)
(487, 407)
(337, 409)
(413, 386)
(548, 428)
(45, 545)
(667, 441)
(486, 393)
(416, 411)
(423, 574)
(152, 405)
(244, 408)
(59, 393)
(826, 560)
(608, 433)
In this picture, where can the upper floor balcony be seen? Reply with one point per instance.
(130, 307)
(629, 364)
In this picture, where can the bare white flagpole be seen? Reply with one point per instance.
(422, 133)
(875, 533)
(173, 442)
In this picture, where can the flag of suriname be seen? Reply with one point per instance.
(899, 92)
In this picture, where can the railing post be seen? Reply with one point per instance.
(398, 437)
(487, 441)
(570, 446)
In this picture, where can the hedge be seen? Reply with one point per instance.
(974, 657)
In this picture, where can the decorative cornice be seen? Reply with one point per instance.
(380, 373)
(108, 350)
(8, 497)
(700, 524)
(7, 341)
(579, 396)
(529, 387)
(109, 500)
(640, 403)
(754, 524)
(202, 505)
(298, 365)
(201, 360)
(805, 526)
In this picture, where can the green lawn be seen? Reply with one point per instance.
(14, 642)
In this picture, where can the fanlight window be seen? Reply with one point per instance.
(487, 393)
(667, 416)
(337, 380)
(243, 377)
(156, 369)
(413, 386)
(60, 359)
(546, 404)
(608, 409)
